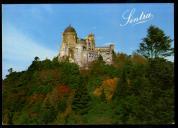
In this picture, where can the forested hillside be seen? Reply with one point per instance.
(135, 89)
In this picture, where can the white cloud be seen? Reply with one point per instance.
(19, 50)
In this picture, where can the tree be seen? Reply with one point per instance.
(35, 64)
(122, 85)
(114, 56)
(36, 58)
(82, 100)
(55, 61)
(47, 113)
(10, 70)
(156, 44)
(70, 74)
(161, 73)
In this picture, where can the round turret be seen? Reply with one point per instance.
(69, 29)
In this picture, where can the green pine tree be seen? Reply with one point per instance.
(81, 101)
(156, 44)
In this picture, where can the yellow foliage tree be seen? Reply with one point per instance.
(109, 86)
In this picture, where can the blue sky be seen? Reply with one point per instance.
(30, 30)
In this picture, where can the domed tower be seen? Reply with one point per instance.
(69, 40)
(70, 36)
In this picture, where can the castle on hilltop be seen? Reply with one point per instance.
(82, 51)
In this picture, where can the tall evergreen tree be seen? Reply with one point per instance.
(81, 101)
(156, 44)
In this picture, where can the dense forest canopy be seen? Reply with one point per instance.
(135, 89)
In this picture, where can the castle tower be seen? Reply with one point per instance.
(69, 40)
(111, 47)
(90, 40)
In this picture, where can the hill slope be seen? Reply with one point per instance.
(131, 91)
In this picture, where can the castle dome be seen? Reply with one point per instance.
(69, 29)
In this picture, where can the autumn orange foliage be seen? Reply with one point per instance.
(63, 89)
(36, 97)
(109, 86)
(138, 59)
